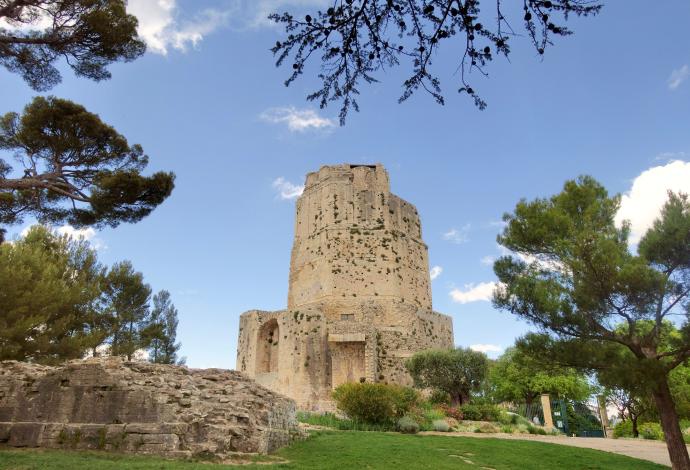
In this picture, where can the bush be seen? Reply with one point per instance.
(330, 420)
(505, 417)
(507, 428)
(374, 403)
(407, 425)
(439, 397)
(486, 412)
(623, 429)
(452, 412)
(651, 431)
(441, 425)
(487, 428)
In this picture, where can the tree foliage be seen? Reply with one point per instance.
(516, 377)
(127, 297)
(88, 34)
(457, 372)
(49, 288)
(357, 38)
(161, 332)
(76, 169)
(57, 302)
(598, 305)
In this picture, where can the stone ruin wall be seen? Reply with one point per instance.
(110, 404)
(359, 301)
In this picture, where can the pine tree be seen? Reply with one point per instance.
(162, 330)
(88, 34)
(598, 306)
(127, 305)
(49, 285)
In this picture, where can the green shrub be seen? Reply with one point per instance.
(452, 412)
(374, 403)
(486, 412)
(505, 417)
(487, 428)
(507, 428)
(407, 425)
(623, 429)
(439, 397)
(441, 425)
(651, 431)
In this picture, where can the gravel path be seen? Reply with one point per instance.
(654, 451)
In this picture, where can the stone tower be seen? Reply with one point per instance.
(359, 300)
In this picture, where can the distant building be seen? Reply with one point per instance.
(359, 301)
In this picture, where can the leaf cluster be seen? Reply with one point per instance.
(88, 34)
(74, 168)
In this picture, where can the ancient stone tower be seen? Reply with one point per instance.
(359, 302)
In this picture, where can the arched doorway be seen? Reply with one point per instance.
(267, 347)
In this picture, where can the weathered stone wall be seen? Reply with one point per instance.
(354, 241)
(359, 301)
(168, 410)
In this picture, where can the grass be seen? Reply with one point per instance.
(340, 450)
(329, 420)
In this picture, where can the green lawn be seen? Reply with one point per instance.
(345, 450)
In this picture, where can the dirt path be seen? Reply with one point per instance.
(654, 451)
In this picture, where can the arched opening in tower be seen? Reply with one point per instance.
(267, 347)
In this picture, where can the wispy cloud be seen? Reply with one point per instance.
(435, 272)
(642, 204)
(678, 76)
(481, 292)
(297, 120)
(163, 26)
(488, 260)
(486, 348)
(458, 236)
(286, 189)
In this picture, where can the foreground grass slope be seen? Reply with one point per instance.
(342, 450)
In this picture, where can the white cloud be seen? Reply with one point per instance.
(435, 272)
(286, 189)
(161, 28)
(678, 76)
(297, 120)
(488, 260)
(642, 204)
(481, 292)
(458, 236)
(486, 348)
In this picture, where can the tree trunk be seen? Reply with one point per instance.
(455, 399)
(669, 423)
(635, 431)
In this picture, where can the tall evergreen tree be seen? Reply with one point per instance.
(162, 330)
(127, 305)
(49, 285)
(598, 306)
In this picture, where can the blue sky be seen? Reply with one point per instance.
(207, 102)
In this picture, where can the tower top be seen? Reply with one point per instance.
(355, 241)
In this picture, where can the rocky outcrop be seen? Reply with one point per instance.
(110, 404)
